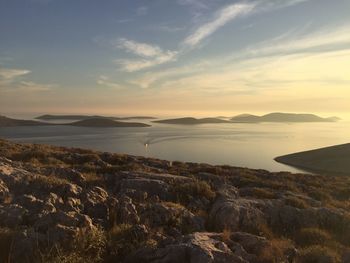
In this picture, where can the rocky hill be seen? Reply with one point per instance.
(73, 205)
(282, 117)
(9, 122)
(192, 121)
(102, 122)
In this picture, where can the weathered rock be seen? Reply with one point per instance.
(235, 214)
(126, 211)
(195, 248)
(95, 203)
(70, 219)
(70, 190)
(150, 186)
(172, 215)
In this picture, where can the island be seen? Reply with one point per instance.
(103, 122)
(49, 117)
(281, 117)
(328, 160)
(77, 205)
(192, 121)
(9, 122)
(97, 122)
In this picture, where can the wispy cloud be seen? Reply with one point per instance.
(32, 86)
(7, 74)
(221, 18)
(291, 45)
(105, 81)
(331, 39)
(11, 80)
(130, 65)
(152, 55)
(141, 49)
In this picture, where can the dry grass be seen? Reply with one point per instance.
(317, 254)
(197, 189)
(312, 236)
(6, 240)
(88, 246)
(296, 202)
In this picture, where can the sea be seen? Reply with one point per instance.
(238, 144)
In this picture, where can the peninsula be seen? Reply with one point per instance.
(329, 160)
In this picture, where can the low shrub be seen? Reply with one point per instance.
(296, 202)
(88, 246)
(261, 193)
(6, 239)
(197, 189)
(122, 240)
(317, 254)
(312, 236)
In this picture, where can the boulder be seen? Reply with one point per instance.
(236, 214)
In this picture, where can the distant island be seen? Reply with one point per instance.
(192, 121)
(333, 160)
(48, 117)
(8, 122)
(282, 117)
(102, 122)
(98, 122)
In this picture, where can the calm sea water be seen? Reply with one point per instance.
(246, 145)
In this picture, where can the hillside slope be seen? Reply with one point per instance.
(73, 205)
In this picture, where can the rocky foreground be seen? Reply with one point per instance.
(72, 205)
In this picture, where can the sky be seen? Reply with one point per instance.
(174, 57)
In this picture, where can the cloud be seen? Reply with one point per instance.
(32, 86)
(141, 49)
(292, 43)
(10, 80)
(152, 55)
(105, 81)
(10, 74)
(221, 18)
(131, 65)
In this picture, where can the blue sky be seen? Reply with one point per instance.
(175, 57)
